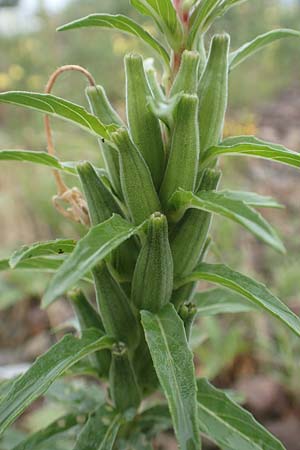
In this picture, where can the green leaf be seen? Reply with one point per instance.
(250, 48)
(45, 370)
(173, 362)
(43, 264)
(49, 248)
(252, 199)
(100, 431)
(164, 14)
(235, 210)
(37, 157)
(199, 17)
(249, 288)
(229, 425)
(121, 23)
(221, 301)
(251, 146)
(92, 248)
(58, 107)
(55, 428)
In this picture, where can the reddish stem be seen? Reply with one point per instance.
(61, 187)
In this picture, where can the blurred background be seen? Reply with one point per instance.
(251, 354)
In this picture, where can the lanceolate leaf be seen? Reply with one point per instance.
(253, 290)
(221, 301)
(251, 146)
(100, 431)
(58, 107)
(46, 370)
(121, 23)
(236, 210)
(59, 426)
(36, 157)
(43, 264)
(252, 199)
(173, 362)
(250, 48)
(164, 14)
(50, 248)
(229, 425)
(92, 248)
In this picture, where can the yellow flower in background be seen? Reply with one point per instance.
(16, 72)
(5, 81)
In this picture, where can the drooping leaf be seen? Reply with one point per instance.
(221, 301)
(50, 248)
(173, 362)
(252, 199)
(92, 248)
(59, 426)
(36, 157)
(45, 370)
(253, 290)
(165, 16)
(58, 107)
(100, 431)
(43, 264)
(236, 210)
(121, 23)
(228, 424)
(251, 146)
(250, 48)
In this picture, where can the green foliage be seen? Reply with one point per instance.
(150, 213)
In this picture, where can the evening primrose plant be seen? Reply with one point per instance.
(148, 215)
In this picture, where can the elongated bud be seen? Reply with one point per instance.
(88, 317)
(188, 313)
(138, 189)
(118, 318)
(182, 167)
(102, 204)
(190, 234)
(213, 92)
(152, 78)
(101, 107)
(100, 200)
(203, 55)
(144, 368)
(124, 390)
(153, 276)
(144, 126)
(187, 77)
(185, 294)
